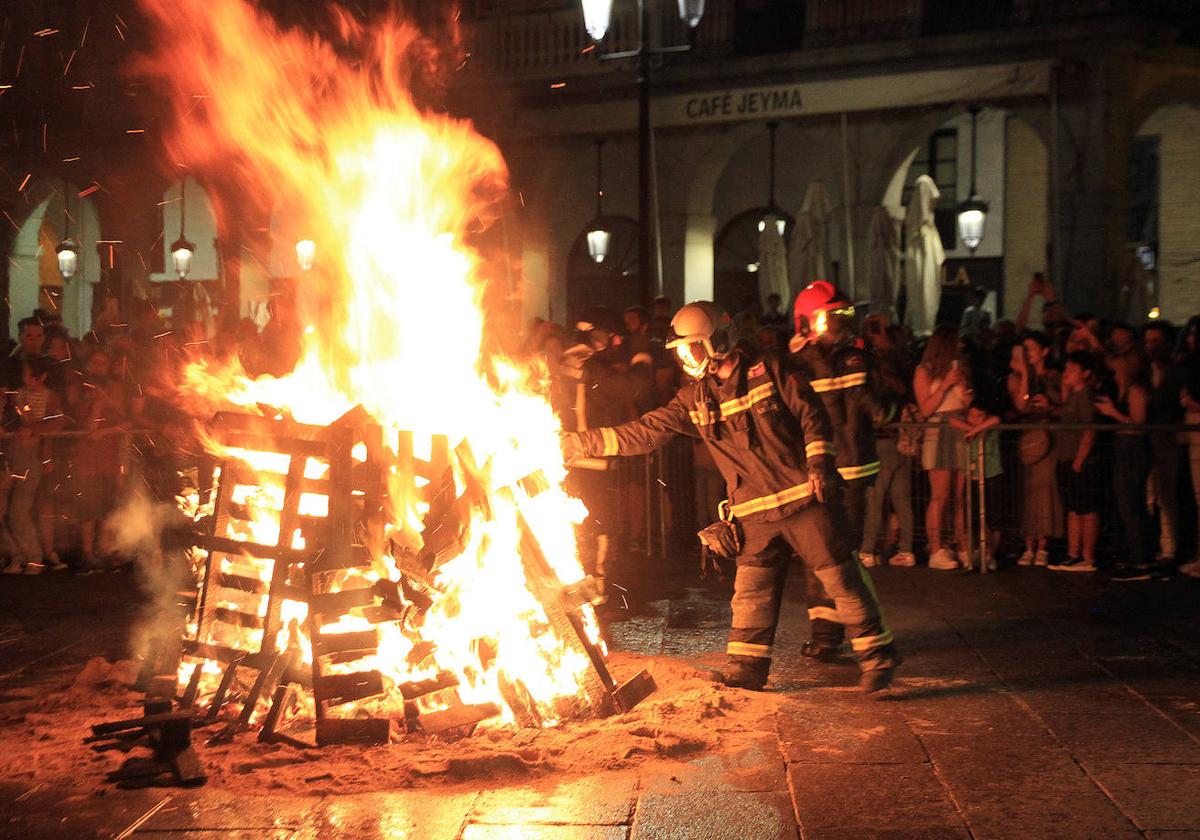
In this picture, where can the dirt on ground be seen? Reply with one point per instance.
(42, 735)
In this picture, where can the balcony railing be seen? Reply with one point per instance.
(552, 42)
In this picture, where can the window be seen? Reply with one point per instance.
(939, 159)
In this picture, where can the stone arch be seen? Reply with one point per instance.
(33, 278)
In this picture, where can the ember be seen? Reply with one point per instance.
(387, 525)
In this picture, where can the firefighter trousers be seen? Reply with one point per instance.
(761, 573)
(848, 507)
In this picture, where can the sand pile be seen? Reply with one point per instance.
(42, 734)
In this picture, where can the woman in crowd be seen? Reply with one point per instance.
(1078, 466)
(1188, 359)
(896, 448)
(1131, 463)
(943, 394)
(1034, 389)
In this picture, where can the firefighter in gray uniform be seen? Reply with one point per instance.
(839, 371)
(770, 437)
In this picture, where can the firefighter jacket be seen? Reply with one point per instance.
(763, 426)
(843, 377)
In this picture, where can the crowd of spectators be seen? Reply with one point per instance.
(1053, 414)
(74, 409)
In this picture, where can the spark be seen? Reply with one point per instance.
(117, 27)
(71, 159)
(45, 33)
(86, 24)
(67, 68)
(557, 85)
(135, 131)
(88, 86)
(16, 226)
(589, 48)
(25, 182)
(93, 188)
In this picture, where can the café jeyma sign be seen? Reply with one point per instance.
(745, 103)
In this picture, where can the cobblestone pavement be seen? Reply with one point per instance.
(1033, 704)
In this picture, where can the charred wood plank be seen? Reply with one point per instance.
(218, 698)
(193, 687)
(457, 717)
(419, 688)
(353, 731)
(238, 618)
(101, 730)
(358, 641)
(336, 689)
(340, 603)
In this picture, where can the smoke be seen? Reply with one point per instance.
(135, 531)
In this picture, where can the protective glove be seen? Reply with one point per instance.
(572, 447)
(816, 476)
(722, 538)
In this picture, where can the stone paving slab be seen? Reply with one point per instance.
(758, 767)
(819, 733)
(1159, 797)
(600, 800)
(969, 713)
(1123, 738)
(542, 832)
(213, 809)
(849, 800)
(1018, 787)
(703, 816)
(427, 813)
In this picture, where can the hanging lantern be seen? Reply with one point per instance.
(972, 222)
(306, 254)
(598, 240)
(68, 258)
(597, 14)
(972, 213)
(181, 254)
(691, 11)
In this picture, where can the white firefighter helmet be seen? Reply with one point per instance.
(701, 337)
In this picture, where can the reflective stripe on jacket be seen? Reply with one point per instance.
(764, 427)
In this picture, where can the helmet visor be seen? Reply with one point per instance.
(694, 354)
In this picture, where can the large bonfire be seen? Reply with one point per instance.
(392, 322)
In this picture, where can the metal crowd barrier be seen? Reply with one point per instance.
(671, 494)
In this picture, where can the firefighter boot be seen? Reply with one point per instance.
(880, 669)
(748, 672)
(822, 651)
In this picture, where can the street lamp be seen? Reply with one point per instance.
(68, 249)
(597, 15)
(182, 250)
(772, 208)
(598, 236)
(972, 213)
(306, 254)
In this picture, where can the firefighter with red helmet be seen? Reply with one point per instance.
(839, 371)
(770, 437)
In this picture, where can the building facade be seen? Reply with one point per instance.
(1083, 149)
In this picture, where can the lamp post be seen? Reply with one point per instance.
(597, 14)
(67, 250)
(972, 213)
(181, 249)
(772, 208)
(599, 237)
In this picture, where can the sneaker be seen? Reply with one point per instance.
(868, 560)
(1074, 564)
(943, 560)
(34, 568)
(1026, 559)
(903, 558)
(13, 567)
(1041, 558)
(966, 559)
(1132, 572)
(1191, 569)
(54, 563)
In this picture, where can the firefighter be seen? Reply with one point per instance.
(611, 386)
(770, 437)
(839, 371)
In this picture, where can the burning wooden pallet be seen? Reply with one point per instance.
(245, 643)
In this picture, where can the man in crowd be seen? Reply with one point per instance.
(825, 350)
(31, 335)
(1166, 384)
(770, 437)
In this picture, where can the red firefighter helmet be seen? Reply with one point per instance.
(815, 303)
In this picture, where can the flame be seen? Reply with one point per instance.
(391, 319)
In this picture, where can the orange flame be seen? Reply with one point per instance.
(392, 317)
